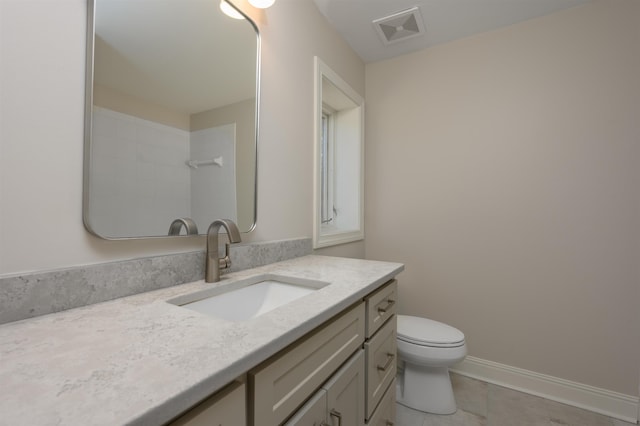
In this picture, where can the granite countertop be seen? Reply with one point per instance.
(141, 360)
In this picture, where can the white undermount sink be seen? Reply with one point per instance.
(246, 299)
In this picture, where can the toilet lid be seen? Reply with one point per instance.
(426, 332)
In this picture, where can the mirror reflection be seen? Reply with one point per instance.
(171, 118)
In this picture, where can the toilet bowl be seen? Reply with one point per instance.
(426, 349)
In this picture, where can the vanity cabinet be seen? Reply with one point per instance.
(340, 374)
(226, 407)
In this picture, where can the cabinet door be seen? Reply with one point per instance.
(313, 413)
(346, 394)
(225, 408)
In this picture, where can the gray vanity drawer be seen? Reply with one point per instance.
(385, 414)
(281, 384)
(381, 305)
(381, 359)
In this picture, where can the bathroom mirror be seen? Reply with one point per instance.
(339, 160)
(171, 118)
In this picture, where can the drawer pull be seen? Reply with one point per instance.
(390, 358)
(390, 304)
(336, 414)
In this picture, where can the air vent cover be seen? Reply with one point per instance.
(400, 26)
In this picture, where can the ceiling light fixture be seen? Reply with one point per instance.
(262, 4)
(229, 10)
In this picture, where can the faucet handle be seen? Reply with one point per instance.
(225, 262)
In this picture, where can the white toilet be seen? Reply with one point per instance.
(427, 348)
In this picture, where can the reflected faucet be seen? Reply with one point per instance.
(188, 223)
(213, 264)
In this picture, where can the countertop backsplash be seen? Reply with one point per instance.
(30, 295)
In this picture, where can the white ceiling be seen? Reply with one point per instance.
(444, 20)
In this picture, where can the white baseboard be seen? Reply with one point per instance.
(602, 401)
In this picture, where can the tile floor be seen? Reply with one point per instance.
(484, 404)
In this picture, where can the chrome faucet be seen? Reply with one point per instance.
(189, 225)
(213, 264)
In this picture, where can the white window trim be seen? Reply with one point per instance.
(325, 235)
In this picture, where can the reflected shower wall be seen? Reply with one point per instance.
(213, 184)
(141, 179)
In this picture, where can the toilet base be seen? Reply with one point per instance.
(426, 389)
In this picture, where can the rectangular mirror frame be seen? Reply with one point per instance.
(89, 89)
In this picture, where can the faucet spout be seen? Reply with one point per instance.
(213, 263)
(188, 223)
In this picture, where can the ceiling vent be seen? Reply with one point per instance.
(400, 26)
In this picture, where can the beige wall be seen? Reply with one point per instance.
(114, 100)
(41, 161)
(503, 171)
(293, 33)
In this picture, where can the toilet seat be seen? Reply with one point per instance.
(426, 332)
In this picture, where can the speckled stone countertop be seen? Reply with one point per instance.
(141, 360)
